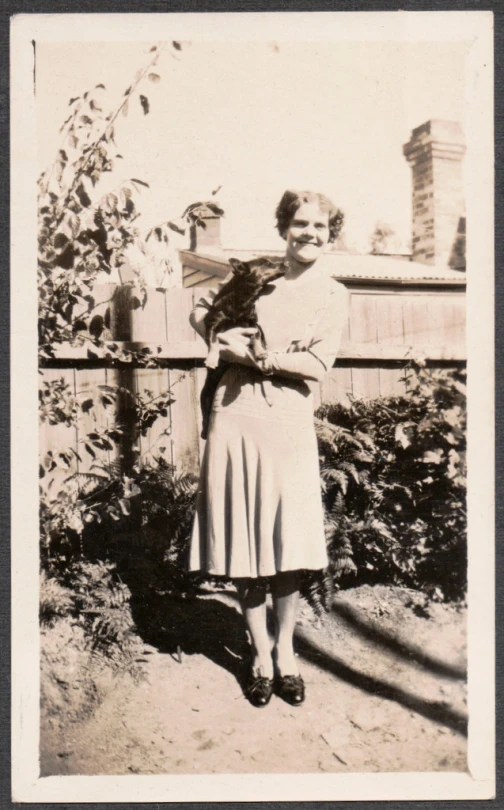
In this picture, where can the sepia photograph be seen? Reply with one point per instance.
(247, 358)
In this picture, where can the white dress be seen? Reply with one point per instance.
(259, 506)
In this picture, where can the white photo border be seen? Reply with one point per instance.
(479, 782)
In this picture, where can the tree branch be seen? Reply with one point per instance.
(109, 125)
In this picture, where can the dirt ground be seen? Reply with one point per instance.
(385, 692)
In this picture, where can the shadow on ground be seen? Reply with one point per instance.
(382, 638)
(432, 710)
(195, 626)
(210, 627)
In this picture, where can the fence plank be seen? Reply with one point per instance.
(365, 382)
(459, 333)
(438, 317)
(57, 438)
(197, 350)
(415, 319)
(179, 304)
(148, 323)
(390, 382)
(337, 385)
(454, 333)
(389, 320)
(149, 384)
(184, 410)
(345, 334)
(380, 354)
(344, 383)
(363, 319)
(98, 417)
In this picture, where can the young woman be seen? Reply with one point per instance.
(259, 512)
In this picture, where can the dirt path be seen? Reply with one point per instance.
(385, 692)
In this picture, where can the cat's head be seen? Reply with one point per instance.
(261, 270)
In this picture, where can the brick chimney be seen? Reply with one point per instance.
(435, 152)
(207, 239)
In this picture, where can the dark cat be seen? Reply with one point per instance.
(234, 305)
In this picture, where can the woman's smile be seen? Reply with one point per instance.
(308, 234)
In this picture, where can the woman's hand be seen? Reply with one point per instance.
(234, 345)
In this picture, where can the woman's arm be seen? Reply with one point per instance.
(294, 365)
(197, 319)
(235, 348)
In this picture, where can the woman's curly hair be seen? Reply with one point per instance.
(292, 200)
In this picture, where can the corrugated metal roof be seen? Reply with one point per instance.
(368, 266)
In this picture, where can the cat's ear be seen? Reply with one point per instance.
(239, 268)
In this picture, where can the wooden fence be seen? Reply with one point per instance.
(388, 323)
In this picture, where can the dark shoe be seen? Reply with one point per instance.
(259, 690)
(290, 688)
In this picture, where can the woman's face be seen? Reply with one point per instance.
(307, 234)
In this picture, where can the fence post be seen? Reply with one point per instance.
(124, 378)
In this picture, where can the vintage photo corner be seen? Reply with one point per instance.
(258, 339)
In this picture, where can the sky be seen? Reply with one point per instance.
(257, 118)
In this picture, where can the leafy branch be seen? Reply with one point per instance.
(122, 108)
(393, 476)
(79, 239)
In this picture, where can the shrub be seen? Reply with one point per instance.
(97, 603)
(102, 608)
(110, 542)
(97, 516)
(393, 482)
(94, 516)
(55, 601)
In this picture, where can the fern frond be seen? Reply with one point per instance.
(318, 590)
(113, 468)
(336, 476)
(365, 439)
(81, 485)
(55, 600)
(351, 469)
